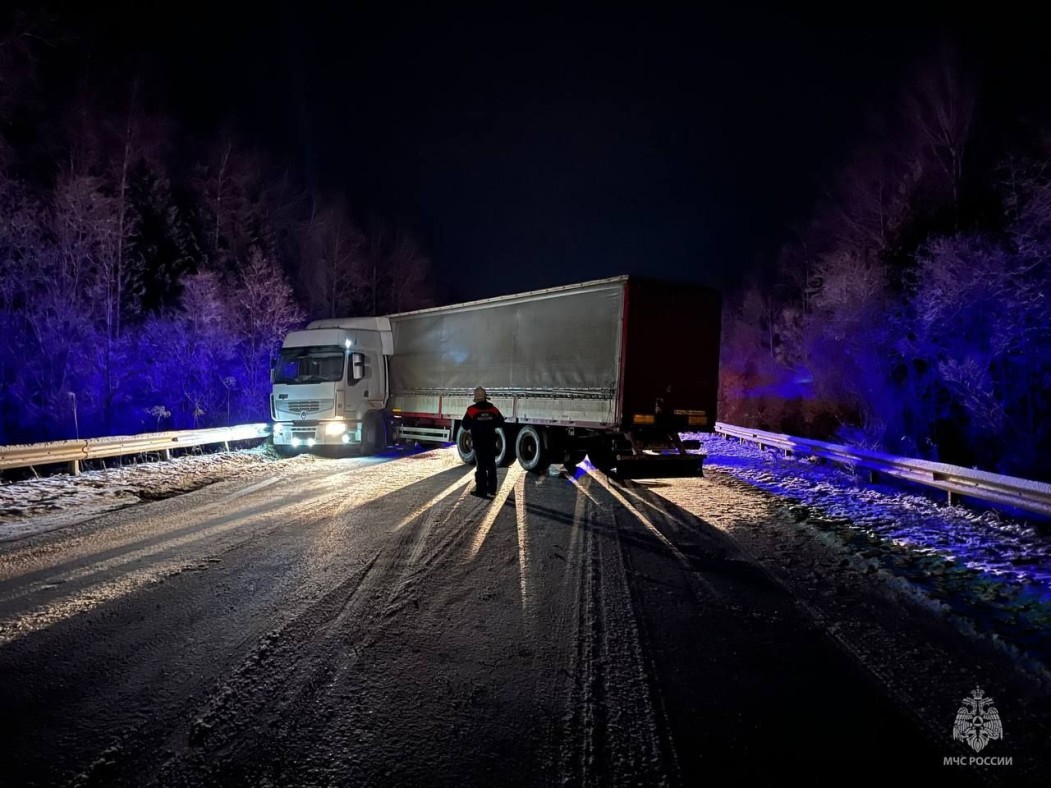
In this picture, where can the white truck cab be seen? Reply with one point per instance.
(330, 384)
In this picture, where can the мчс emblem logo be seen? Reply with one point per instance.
(977, 721)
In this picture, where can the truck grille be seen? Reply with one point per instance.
(297, 406)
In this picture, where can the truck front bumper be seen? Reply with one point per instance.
(308, 434)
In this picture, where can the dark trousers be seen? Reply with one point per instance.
(485, 465)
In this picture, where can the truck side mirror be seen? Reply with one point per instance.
(357, 366)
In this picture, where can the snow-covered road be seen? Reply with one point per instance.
(366, 621)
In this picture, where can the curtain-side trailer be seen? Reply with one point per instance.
(613, 369)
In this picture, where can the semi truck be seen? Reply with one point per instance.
(614, 370)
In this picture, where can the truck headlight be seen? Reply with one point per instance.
(335, 428)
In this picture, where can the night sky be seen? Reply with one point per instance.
(527, 149)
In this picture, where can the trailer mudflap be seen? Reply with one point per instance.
(659, 466)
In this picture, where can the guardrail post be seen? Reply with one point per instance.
(873, 477)
(74, 468)
(954, 498)
(166, 453)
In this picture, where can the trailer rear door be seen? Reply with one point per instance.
(671, 360)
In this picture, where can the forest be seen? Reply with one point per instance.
(148, 274)
(909, 311)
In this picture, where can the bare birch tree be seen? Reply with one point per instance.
(941, 106)
(334, 273)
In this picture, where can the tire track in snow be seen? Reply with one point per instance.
(287, 676)
(340, 656)
(575, 622)
(703, 590)
(287, 670)
(327, 644)
(523, 547)
(419, 564)
(79, 591)
(614, 729)
(269, 685)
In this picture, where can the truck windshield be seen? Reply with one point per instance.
(309, 365)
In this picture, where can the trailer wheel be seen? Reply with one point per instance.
(464, 446)
(505, 447)
(373, 433)
(530, 449)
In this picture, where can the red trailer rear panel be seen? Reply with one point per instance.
(671, 355)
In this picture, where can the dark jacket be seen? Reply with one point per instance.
(482, 419)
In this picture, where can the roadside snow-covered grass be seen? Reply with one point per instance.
(37, 505)
(34, 506)
(985, 540)
(991, 570)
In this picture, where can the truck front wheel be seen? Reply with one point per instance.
(373, 433)
(530, 449)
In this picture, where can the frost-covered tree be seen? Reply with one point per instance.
(262, 310)
(189, 352)
(838, 308)
(980, 327)
(22, 233)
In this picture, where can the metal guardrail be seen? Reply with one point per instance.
(76, 451)
(956, 481)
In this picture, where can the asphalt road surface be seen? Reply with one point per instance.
(368, 622)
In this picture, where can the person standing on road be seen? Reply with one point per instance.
(481, 420)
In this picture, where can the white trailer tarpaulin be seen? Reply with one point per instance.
(564, 343)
